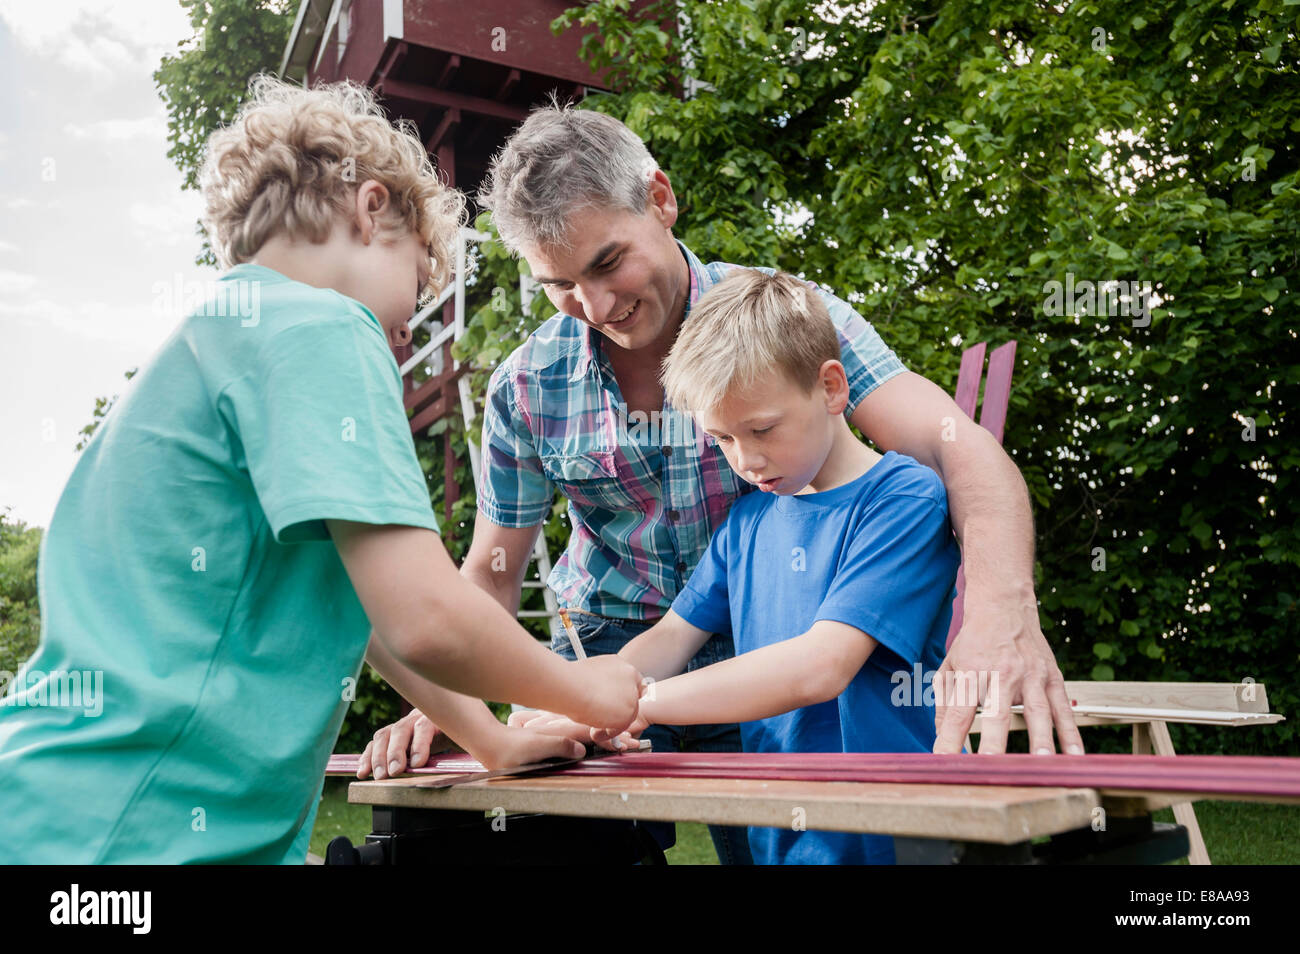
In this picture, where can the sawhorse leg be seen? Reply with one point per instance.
(1124, 841)
(1149, 735)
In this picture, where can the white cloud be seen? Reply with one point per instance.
(15, 283)
(140, 328)
(120, 130)
(41, 26)
(167, 223)
(7, 246)
(101, 56)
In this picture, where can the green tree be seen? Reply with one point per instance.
(20, 620)
(206, 80)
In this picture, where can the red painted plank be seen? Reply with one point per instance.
(1208, 774)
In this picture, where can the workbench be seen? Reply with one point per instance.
(550, 817)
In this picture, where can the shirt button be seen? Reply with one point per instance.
(681, 569)
(672, 516)
(668, 452)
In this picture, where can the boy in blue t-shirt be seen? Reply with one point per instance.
(835, 583)
(245, 516)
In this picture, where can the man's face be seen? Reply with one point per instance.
(621, 273)
(774, 435)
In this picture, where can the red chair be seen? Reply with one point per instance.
(993, 418)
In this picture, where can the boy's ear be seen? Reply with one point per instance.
(835, 384)
(370, 206)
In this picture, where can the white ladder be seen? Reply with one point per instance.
(431, 354)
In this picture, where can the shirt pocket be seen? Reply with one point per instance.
(589, 480)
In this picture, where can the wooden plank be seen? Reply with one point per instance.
(1237, 697)
(1000, 814)
(1098, 715)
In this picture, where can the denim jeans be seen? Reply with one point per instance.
(602, 634)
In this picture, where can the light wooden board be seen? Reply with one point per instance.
(1119, 715)
(999, 814)
(1239, 697)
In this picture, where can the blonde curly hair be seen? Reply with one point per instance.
(293, 159)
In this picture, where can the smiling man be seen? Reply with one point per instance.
(577, 194)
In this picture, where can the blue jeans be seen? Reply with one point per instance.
(604, 635)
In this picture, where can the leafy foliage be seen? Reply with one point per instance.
(204, 83)
(20, 621)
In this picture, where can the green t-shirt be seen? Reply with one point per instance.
(187, 579)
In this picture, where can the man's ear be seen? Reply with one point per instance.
(835, 385)
(662, 202)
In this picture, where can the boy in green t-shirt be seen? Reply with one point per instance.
(250, 509)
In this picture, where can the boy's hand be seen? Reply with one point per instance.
(520, 746)
(409, 737)
(553, 723)
(603, 737)
(609, 689)
(642, 721)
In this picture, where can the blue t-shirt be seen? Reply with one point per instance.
(878, 554)
(192, 599)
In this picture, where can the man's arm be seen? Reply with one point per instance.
(803, 671)
(434, 622)
(988, 504)
(498, 559)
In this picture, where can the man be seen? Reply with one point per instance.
(577, 194)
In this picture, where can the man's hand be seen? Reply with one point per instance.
(998, 659)
(409, 737)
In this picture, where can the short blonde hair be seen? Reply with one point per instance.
(293, 159)
(744, 328)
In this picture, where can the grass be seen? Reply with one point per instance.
(1236, 833)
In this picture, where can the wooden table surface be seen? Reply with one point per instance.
(987, 813)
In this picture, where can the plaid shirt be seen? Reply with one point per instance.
(645, 496)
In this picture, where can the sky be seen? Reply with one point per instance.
(94, 225)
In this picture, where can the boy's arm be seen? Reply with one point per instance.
(803, 671)
(661, 651)
(446, 630)
(990, 513)
(466, 720)
(665, 648)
